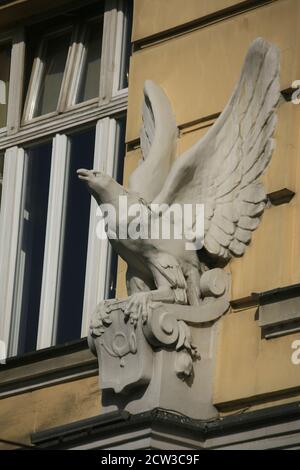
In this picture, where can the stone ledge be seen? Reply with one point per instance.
(197, 23)
(162, 429)
(279, 311)
(46, 367)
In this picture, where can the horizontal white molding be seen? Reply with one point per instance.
(68, 120)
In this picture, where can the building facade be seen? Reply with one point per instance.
(71, 82)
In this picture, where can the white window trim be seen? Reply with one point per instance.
(108, 68)
(52, 252)
(70, 69)
(97, 253)
(9, 234)
(19, 272)
(121, 25)
(14, 108)
(66, 121)
(78, 59)
(16, 82)
(79, 62)
(37, 74)
(5, 39)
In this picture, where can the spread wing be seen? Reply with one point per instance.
(158, 143)
(222, 170)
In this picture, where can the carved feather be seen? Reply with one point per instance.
(158, 137)
(226, 164)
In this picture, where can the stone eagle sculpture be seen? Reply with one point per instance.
(221, 171)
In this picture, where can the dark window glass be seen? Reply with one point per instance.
(5, 56)
(112, 265)
(73, 262)
(90, 71)
(126, 45)
(32, 243)
(54, 59)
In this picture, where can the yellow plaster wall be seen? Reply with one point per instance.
(48, 407)
(198, 70)
(154, 16)
(250, 368)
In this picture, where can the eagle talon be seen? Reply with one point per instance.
(138, 306)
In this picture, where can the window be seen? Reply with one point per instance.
(112, 262)
(5, 55)
(65, 66)
(75, 237)
(70, 65)
(75, 69)
(89, 73)
(30, 255)
(48, 75)
(123, 43)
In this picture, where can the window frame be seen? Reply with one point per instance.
(114, 24)
(9, 237)
(15, 38)
(4, 40)
(103, 112)
(78, 65)
(37, 75)
(105, 155)
(122, 23)
(111, 101)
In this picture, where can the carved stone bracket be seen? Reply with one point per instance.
(126, 351)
